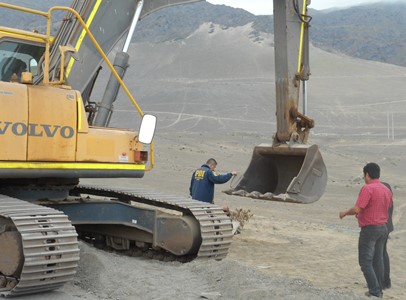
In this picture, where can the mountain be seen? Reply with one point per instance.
(206, 67)
(22, 20)
(221, 80)
(373, 31)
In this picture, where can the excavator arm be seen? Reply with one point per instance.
(289, 169)
(291, 69)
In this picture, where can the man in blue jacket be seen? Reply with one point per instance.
(204, 179)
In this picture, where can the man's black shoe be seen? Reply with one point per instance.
(368, 294)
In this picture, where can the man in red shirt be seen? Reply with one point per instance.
(371, 209)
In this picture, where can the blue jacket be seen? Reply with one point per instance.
(202, 183)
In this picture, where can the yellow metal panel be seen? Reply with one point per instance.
(52, 124)
(74, 166)
(13, 121)
(106, 145)
(83, 126)
(22, 34)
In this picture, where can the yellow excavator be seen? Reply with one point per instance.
(52, 134)
(289, 169)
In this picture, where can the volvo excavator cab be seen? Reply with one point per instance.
(288, 169)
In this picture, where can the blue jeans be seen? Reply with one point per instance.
(371, 244)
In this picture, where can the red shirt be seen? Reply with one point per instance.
(374, 199)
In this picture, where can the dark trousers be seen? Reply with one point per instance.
(370, 255)
(386, 278)
(384, 281)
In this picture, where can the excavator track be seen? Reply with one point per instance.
(215, 225)
(39, 248)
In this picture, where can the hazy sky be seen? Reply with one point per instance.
(264, 7)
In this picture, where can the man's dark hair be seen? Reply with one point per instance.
(211, 161)
(373, 170)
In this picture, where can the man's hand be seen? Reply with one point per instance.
(342, 214)
(234, 173)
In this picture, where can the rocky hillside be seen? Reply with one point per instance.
(373, 32)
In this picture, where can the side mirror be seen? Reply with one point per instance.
(147, 129)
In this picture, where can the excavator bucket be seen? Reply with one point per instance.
(282, 173)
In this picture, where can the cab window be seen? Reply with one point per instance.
(17, 57)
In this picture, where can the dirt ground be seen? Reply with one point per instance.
(285, 251)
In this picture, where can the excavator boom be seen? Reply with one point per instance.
(109, 22)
